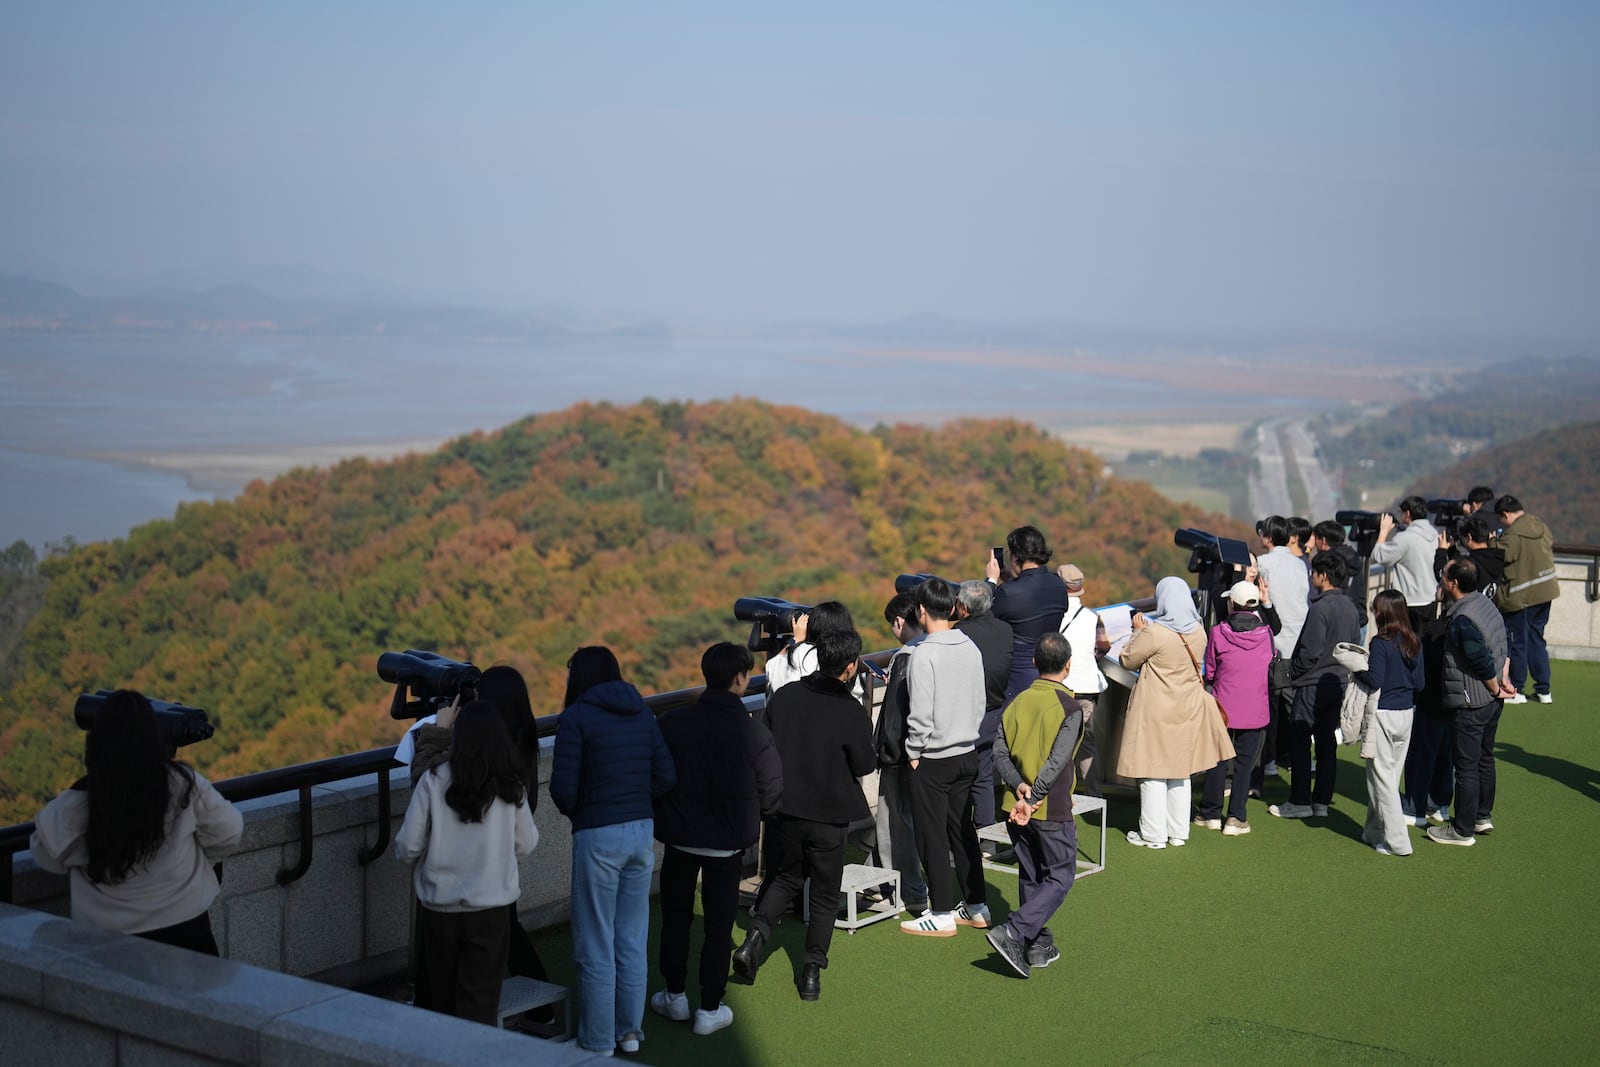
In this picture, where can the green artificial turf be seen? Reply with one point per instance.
(1296, 942)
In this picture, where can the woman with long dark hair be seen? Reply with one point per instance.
(140, 834)
(610, 763)
(1395, 671)
(503, 687)
(467, 823)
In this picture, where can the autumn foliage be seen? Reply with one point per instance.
(636, 527)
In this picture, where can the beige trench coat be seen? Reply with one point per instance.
(1172, 730)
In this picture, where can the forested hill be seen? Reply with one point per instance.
(636, 527)
(1556, 475)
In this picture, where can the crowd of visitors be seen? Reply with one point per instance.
(993, 689)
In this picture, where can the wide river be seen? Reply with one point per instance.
(80, 413)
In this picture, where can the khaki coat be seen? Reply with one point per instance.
(1172, 730)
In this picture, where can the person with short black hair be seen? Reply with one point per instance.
(1408, 551)
(894, 818)
(1285, 585)
(945, 679)
(1300, 535)
(1476, 662)
(1029, 597)
(1034, 752)
(1477, 498)
(1328, 536)
(1525, 596)
(729, 776)
(1317, 680)
(140, 834)
(824, 740)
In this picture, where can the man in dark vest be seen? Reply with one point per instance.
(1474, 683)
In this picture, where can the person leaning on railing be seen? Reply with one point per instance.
(139, 835)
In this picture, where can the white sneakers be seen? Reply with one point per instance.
(674, 1006)
(1135, 839)
(931, 924)
(1544, 698)
(1517, 698)
(709, 1022)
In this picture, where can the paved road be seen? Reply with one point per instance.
(1269, 487)
(1321, 498)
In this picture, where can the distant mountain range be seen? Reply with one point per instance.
(32, 304)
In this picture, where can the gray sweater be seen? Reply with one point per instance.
(945, 679)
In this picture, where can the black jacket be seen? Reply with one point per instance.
(1032, 604)
(729, 775)
(889, 735)
(993, 638)
(1330, 619)
(824, 738)
(1355, 579)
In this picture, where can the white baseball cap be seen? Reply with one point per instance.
(1245, 594)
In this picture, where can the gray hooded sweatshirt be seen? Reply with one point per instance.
(945, 680)
(1409, 556)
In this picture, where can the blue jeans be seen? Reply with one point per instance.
(611, 867)
(1525, 635)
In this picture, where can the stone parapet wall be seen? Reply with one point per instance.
(70, 994)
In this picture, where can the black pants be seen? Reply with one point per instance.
(719, 896)
(983, 793)
(464, 957)
(1314, 716)
(1430, 769)
(193, 934)
(1278, 702)
(805, 849)
(1475, 773)
(941, 805)
(1247, 746)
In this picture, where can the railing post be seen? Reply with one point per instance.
(295, 873)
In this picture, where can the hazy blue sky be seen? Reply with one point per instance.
(1275, 164)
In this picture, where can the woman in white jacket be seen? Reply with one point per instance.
(466, 825)
(140, 834)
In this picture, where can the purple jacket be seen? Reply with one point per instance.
(1238, 656)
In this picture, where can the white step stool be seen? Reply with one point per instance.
(519, 994)
(858, 878)
(1081, 805)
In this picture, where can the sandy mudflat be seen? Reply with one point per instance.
(227, 471)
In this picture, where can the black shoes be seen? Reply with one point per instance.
(810, 982)
(747, 957)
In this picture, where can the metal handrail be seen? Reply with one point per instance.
(304, 777)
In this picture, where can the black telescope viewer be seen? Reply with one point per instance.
(1362, 527)
(179, 724)
(907, 582)
(772, 621)
(1215, 561)
(433, 679)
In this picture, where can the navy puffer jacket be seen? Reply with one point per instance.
(610, 759)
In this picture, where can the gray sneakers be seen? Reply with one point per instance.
(1010, 948)
(1483, 826)
(1042, 954)
(1290, 811)
(1448, 835)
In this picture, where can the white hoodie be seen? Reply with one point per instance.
(462, 866)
